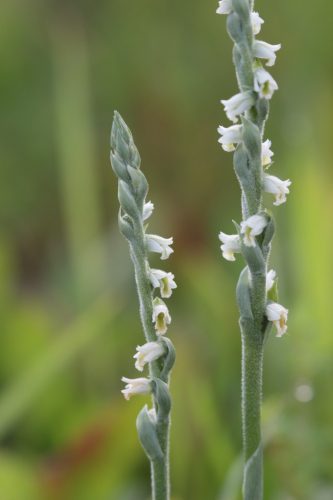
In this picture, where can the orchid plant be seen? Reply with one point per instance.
(256, 289)
(157, 352)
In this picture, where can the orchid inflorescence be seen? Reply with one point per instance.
(243, 106)
(157, 352)
(257, 287)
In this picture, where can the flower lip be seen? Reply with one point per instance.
(161, 316)
(163, 280)
(264, 83)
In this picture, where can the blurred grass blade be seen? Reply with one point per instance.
(74, 339)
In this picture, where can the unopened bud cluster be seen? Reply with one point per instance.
(252, 154)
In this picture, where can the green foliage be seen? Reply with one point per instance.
(66, 431)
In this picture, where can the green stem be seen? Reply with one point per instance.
(252, 365)
(159, 468)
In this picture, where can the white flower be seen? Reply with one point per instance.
(135, 386)
(230, 136)
(256, 22)
(251, 227)
(270, 278)
(266, 153)
(276, 186)
(161, 316)
(237, 105)
(163, 280)
(160, 245)
(279, 316)
(225, 7)
(264, 50)
(231, 245)
(147, 353)
(264, 83)
(147, 210)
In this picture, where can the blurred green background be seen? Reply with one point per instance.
(69, 320)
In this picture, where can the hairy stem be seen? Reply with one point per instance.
(159, 468)
(252, 363)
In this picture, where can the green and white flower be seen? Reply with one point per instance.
(163, 280)
(264, 83)
(159, 245)
(230, 136)
(237, 105)
(230, 246)
(266, 153)
(277, 187)
(135, 386)
(252, 227)
(147, 353)
(264, 50)
(279, 316)
(161, 316)
(256, 22)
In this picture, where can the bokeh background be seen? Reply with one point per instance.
(69, 320)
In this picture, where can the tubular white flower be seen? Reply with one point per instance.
(230, 136)
(225, 7)
(161, 316)
(266, 153)
(147, 210)
(279, 316)
(251, 227)
(231, 245)
(276, 186)
(264, 50)
(264, 83)
(270, 278)
(159, 245)
(237, 105)
(256, 22)
(135, 386)
(163, 280)
(147, 353)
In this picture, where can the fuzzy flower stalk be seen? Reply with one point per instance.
(256, 290)
(157, 353)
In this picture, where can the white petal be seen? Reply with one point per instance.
(225, 7)
(266, 153)
(270, 278)
(252, 227)
(147, 210)
(237, 105)
(256, 22)
(264, 50)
